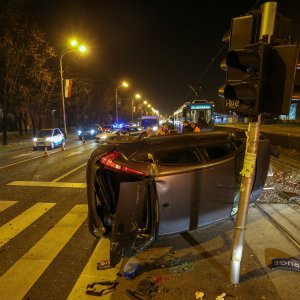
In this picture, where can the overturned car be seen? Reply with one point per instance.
(139, 190)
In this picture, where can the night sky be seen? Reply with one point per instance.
(159, 46)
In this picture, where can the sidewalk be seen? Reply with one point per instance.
(200, 260)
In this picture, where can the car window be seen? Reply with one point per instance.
(56, 132)
(181, 156)
(218, 150)
(44, 133)
(142, 157)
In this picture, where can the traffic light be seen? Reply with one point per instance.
(247, 79)
(283, 82)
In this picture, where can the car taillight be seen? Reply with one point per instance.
(108, 161)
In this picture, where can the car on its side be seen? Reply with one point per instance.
(140, 190)
(50, 138)
(89, 131)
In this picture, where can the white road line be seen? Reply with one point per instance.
(49, 153)
(21, 155)
(90, 273)
(66, 174)
(19, 223)
(6, 204)
(76, 185)
(17, 281)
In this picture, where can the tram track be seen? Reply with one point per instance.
(281, 228)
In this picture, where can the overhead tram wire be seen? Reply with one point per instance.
(216, 56)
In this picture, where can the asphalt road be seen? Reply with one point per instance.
(46, 251)
(45, 245)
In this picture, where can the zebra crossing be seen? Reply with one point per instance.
(26, 271)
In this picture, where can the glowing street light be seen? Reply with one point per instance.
(82, 49)
(125, 85)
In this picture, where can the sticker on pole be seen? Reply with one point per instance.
(286, 264)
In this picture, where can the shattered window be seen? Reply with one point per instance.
(182, 156)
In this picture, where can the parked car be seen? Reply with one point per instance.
(89, 131)
(49, 138)
(140, 190)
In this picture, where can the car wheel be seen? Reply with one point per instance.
(35, 148)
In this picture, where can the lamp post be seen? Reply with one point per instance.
(123, 84)
(52, 112)
(137, 96)
(81, 48)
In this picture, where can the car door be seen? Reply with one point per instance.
(192, 189)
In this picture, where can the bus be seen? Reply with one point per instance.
(198, 111)
(150, 121)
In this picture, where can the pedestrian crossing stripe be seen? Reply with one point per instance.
(6, 204)
(90, 273)
(19, 223)
(17, 281)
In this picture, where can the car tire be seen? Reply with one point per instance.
(34, 148)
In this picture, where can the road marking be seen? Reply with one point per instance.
(21, 155)
(6, 204)
(90, 273)
(39, 156)
(76, 185)
(18, 224)
(66, 174)
(18, 280)
(74, 153)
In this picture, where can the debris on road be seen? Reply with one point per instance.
(221, 297)
(199, 295)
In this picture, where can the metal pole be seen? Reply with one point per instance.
(267, 28)
(62, 93)
(117, 119)
(132, 110)
(268, 20)
(245, 191)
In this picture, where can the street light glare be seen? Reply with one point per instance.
(73, 43)
(137, 96)
(82, 48)
(145, 102)
(125, 84)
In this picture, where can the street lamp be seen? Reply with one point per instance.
(80, 49)
(52, 112)
(125, 85)
(137, 96)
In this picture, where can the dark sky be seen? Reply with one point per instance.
(160, 46)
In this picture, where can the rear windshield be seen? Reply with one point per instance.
(181, 156)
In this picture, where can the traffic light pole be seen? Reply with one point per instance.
(247, 173)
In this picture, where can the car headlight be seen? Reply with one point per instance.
(48, 139)
(154, 128)
(92, 131)
(103, 137)
(79, 132)
(34, 139)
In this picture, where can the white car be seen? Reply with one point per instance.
(49, 138)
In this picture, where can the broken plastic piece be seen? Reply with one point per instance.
(199, 295)
(221, 297)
